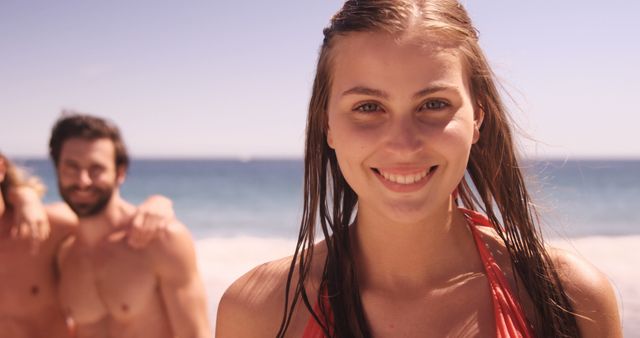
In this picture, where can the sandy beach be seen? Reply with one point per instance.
(222, 260)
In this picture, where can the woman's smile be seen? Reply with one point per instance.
(401, 122)
(400, 179)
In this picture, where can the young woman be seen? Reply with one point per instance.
(412, 176)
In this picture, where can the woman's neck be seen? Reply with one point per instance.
(400, 257)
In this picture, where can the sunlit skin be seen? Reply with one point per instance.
(87, 175)
(29, 305)
(402, 122)
(108, 288)
(400, 111)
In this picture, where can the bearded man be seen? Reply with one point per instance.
(108, 289)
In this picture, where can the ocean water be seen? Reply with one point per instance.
(263, 198)
(587, 198)
(245, 213)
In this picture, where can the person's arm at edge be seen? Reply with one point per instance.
(30, 216)
(180, 283)
(38, 221)
(591, 293)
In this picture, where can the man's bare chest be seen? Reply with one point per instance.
(110, 280)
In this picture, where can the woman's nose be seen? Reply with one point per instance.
(405, 136)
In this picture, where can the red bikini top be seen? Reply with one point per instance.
(510, 319)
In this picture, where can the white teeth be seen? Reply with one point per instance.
(404, 179)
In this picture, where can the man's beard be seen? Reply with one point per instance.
(87, 209)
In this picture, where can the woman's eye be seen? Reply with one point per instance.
(435, 105)
(368, 108)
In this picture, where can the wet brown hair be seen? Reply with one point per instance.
(493, 170)
(76, 125)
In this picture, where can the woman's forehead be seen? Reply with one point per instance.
(383, 59)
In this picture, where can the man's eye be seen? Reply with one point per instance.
(368, 108)
(69, 168)
(435, 105)
(95, 170)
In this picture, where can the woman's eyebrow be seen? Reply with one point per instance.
(434, 89)
(362, 90)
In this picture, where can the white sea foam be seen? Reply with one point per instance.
(222, 260)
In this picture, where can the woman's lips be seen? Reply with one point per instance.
(404, 179)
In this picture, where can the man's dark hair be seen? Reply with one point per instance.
(75, 125)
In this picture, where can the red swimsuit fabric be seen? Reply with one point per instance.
(510, 319)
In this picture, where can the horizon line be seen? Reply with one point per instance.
(301, 158)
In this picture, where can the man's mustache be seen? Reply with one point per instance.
(75, 188)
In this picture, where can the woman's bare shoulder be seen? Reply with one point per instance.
(590, 292)
(253, 305)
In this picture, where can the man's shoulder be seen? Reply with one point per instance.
(172, 250)
(173, 239)
(258, 298)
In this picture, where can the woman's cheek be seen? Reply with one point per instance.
(457, 135)
(356, 135)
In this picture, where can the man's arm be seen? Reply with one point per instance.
(180, 283)
(35, 221)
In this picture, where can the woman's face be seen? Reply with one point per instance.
(401, 122)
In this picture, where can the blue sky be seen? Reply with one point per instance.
(232, 78)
